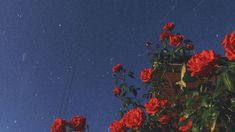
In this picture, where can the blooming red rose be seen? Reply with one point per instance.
(176, 40)
(146, 75)
(117, 91)
(153, 106)
(58, 125)
(164, 119)
(163, 103)
(78, 123)
(116, 68)
(169, 26)
(117, 126)
(229, 46)
(186, 127)
(203, 64)
(134, 118)
(189, 46)
(164, 35)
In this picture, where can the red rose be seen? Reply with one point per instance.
(169, 26)
(146, 75)
(134, 118)
(117, 126)
(78, 123)
(117, 91)
(58, 125)
(183, 128)
(163, 103)
(116, 68)
(186, 127)
(153, 106)
(182, 119)
(189, 124)
(164, 119)
(164, 35)
(189, 46)
(203, 64)
(176, 40)
(229, 46)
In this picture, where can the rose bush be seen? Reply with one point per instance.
(207, 105)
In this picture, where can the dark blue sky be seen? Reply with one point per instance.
(56, 55)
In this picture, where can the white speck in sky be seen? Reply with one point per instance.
(111, 59)
(24, 55)
(217, 35)
(42, 118)
(37, 62)
(15, 121)
(19, 15)
(60, 25)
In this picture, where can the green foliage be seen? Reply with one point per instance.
(228, 80)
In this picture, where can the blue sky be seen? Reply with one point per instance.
(56, 55)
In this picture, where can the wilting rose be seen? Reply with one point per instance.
(203, 64)
(134, 118)
(176, 40)
(229, 46)
(117, 91)
(146, 75)
(116, 68)
(153, 106)
(164, 119)
(117, 126)
(58, 125)
(78, 123)
(164, 35)
(186, 127)
(189, 46)
(169, 26)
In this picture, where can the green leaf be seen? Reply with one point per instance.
(187, 78)
(116, 81)
(219, 81)
(122, 85)
(229, 80)
(221, 69)
(131, 75)
(195, 93)
(190, 102)
(121, 113)
(133, 90)
(187, 41)
(232, 68)
(204, 101)
(232, 104)
(194, 129)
